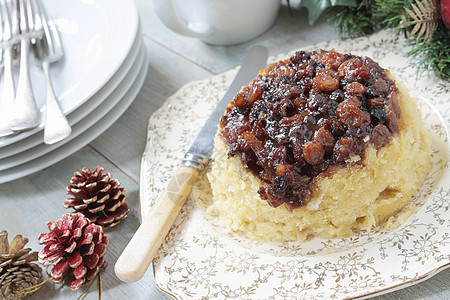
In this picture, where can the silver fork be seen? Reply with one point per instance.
(8, 91)
(26, 114)
(47, 50)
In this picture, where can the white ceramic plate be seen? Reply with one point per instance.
(97, 37)
(89, 120)
(36, 137)
(115, 106)
(233, 267)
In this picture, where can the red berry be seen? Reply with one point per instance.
(445, 12)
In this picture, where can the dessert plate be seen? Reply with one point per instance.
(36, 136)
(234, 267)
(97, 36)
(89, 120)
(114, 106)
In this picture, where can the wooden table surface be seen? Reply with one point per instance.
(28, 203)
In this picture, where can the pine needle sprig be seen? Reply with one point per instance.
(391, 13)
(432, 55)
(354, 21)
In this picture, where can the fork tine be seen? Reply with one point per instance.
(50, 31)
(15, 26)
(30, 16)
(2, 35)
(37, 21)
(2, 20)
(56, 38)
(23, 18)
(5, 22)
(43, 20)
(33, 24)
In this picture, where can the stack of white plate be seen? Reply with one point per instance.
(103, 69)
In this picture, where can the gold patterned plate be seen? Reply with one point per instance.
(200, 260)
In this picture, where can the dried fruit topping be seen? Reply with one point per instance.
(354, 70)
(351, 114)
(354, 88)
(307, 115)
(380, 136)
(325, 82)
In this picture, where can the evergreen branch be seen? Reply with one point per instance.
(434, 54)
(354, 21)
(391, 12)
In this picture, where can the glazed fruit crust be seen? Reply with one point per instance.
(304, 117)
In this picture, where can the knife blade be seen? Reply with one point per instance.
(141, 249)
(256, 60)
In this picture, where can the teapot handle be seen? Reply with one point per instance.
(167, 14)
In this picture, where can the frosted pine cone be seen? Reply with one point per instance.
(76, 247)
(97, 196)
(17, 272)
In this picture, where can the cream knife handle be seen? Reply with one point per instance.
(140, 251)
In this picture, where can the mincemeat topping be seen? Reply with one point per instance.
(305, 116)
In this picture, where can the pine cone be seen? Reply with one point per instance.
(98, 197)
(76, 247)
(17, 272)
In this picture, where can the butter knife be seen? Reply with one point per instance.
(140, 251)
